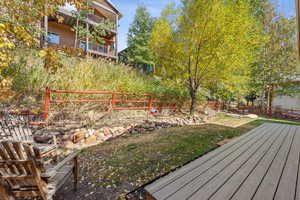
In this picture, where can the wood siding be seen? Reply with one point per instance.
(102, 10)
(67, 36)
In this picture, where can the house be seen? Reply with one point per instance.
(61, 33)
(285, 101)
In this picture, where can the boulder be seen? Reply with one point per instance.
(91, 140)
(100, 135)
(107, 131)
(44, 139)
(79, 137)
(68, 145)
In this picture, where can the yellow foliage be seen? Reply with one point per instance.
(19, 24)
(5, 46)
(6, 92)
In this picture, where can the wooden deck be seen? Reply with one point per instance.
(260, 165)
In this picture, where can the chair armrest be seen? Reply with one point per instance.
(66, 160)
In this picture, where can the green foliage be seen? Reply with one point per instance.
(138, 38)
(208, 44)
(278, 62)
(95, 33)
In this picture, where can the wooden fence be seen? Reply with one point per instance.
(274, 112)
(116, 101)
(145, 101)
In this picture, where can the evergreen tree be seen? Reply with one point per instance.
(139, 53)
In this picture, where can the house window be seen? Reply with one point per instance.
(53, 38)
(82, 45)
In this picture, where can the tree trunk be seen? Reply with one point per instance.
(76, 32)
(270, 100)
(193, 94)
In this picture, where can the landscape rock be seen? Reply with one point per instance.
(68, 145)
(117, 124)
(78, 137)
(44, 139)
(91, 140)
(107, 131)
(100, 135)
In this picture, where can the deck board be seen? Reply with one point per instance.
(237, 180)
(262, 164)
(288, 182)
(272, 178)
(161, 183)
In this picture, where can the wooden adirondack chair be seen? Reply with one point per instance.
(17, 128)
(22, 174)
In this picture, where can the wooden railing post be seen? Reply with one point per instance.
(113, 100)
(47, 103)
(150, 102)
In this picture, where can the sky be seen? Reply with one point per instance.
(128, 7)
(287, 7)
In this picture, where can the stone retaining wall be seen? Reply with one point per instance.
(87, 136)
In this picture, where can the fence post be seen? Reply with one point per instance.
(47, 103)
(113, 100)
(150, 102)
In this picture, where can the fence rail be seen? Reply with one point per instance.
(151, 101)
(274, 112)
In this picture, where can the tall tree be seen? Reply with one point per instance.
(206, 43)
(278, 61)
(139, 35)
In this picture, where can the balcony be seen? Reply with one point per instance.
(102, 50)
(92, 19)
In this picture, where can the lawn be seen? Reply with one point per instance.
(112, 169)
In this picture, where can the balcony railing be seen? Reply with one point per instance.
(91, 19)
(104, 50)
